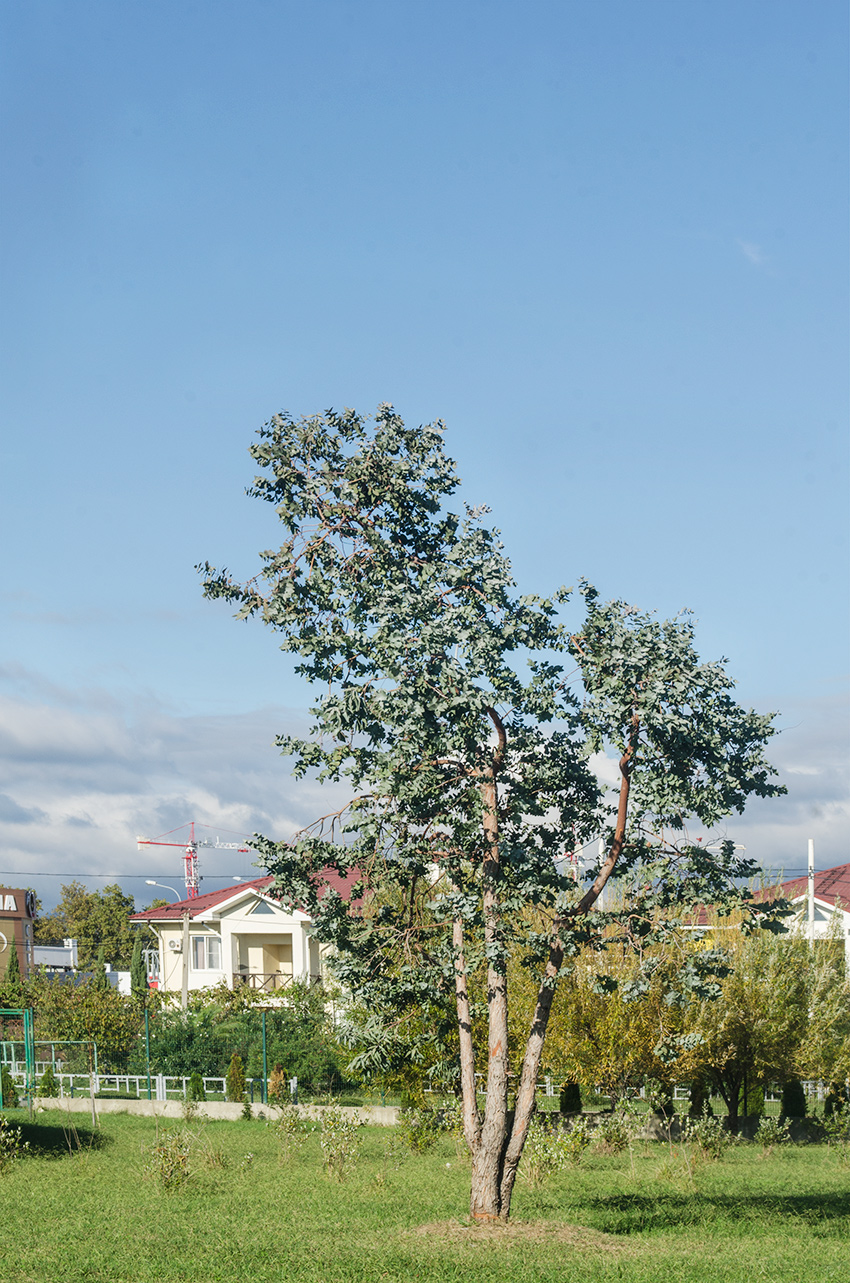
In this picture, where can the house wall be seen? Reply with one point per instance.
(260, 944)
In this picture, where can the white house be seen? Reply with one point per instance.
(829, 910)
(240, 935)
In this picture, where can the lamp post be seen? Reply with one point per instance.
(184, 988)
(150, 882)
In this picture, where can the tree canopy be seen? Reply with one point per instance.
(442, 698)
(97, 919)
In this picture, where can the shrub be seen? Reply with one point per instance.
(836, 1127)
(12, 1146)
(236, 1079)
(419, 1128)
(793, 1099)
(552, 1149)
(570, 1100)
(48, 1084)
(278, 1086)
(755, 1101)
(196, 1089)
(340, 1141)
(10, 1091)
(772, 1131)
(708, 1134)
(169, 1159)
(836, 1099)
(541, 1155)
(614, 1131)
(700, 1098)
(575, 1141)
(659, 1095)
(290, 1130)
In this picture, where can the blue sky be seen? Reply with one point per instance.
(605, 242)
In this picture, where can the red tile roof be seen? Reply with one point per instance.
(830, 885)
(202, 904)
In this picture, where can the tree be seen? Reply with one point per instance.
(85, 1012)
(13, 981)
(442, 702)
(96, 919)
(752, 1033)
(235, 1079)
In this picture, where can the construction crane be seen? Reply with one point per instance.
(190, 853)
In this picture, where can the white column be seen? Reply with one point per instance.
(299, 951)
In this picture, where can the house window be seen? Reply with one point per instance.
(206, 953)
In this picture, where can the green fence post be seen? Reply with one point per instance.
(148, 1048)
(265, 1065)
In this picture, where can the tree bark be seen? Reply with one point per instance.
(471, 1122)
(526, 1093)
(488, 1157)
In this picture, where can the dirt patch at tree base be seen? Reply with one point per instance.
(532, 1232)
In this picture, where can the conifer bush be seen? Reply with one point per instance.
(793, 1099)
(236, 1079)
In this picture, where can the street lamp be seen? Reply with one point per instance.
(150, 882)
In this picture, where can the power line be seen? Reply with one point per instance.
(19, 873)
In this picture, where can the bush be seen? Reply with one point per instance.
(48, 1084)
(419, 1128)
(836, 1099)
(570, 1100)
(196, 1089)
(169, 1159)
(614, 1131)
(755, 1101)
(340, 1141)
(772, 1131)
(552, 1149)
(700, 1098)
(279, 1092)
(290, 1130)
(708, 1134)
(236, 1079)
(793, 1100)
(836, 1128)
(659, 1096)
(10, 1091)
(11, 1145)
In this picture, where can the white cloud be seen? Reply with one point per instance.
(85, 774)
(752, 252)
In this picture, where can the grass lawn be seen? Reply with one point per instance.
(95, 1216)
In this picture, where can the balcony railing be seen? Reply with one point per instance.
(270, 980)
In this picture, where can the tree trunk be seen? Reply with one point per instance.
(488, 1158)
(526, 1093)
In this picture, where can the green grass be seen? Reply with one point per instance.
(94, 1215)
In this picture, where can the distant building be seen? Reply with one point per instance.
(831, 904)
(17, 916)
(56, 957)
(240, 935)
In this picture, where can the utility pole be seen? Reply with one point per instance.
(184, 990)
(811, 893)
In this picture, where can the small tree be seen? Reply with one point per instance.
(12, 984)
(236, 1079)
(48, 1084)
(570, 1098)
(196, 1089)
(442, 702)
(752, 1033)
(10, 1091)
(794, 1104)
